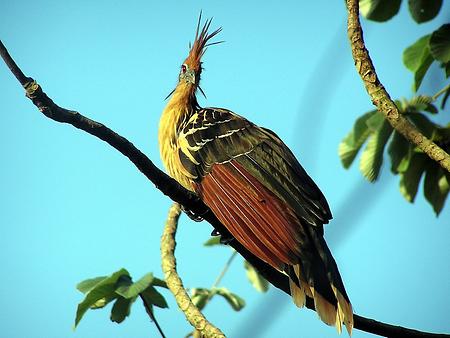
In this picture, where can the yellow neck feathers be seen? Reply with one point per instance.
(181, 106)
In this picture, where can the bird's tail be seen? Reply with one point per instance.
(317, 277)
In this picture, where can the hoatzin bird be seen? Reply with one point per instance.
(255, 186)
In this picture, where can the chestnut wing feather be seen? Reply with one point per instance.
(252, 213)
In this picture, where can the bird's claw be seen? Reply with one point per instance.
(192, 215)
(225, 239)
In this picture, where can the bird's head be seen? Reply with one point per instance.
(192, 67)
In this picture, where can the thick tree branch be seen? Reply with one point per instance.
(176, 192)
(169, 267)
(380, 97)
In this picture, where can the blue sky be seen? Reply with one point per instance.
(73, 208)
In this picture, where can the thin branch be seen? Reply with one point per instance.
(224, 270)
(221, 275)
(439, 93)
(17, 72)
(217, 281)
(177, 193)
(380, 97)
(169, 264)
(149, 310)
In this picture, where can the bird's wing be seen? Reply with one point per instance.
(217, 136)
(253, 183)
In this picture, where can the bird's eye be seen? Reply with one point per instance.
(183, 69)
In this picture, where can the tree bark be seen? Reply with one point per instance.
(174, 282)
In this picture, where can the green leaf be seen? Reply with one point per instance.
(236, 302)
(398, 150)
(417, 58)
(420, 103)
(372, 156)
(404, 163)
(214, 240)
(424, 10)
(351, 144)
(104, 289)
(410, 178)
(134, 289)
(200, 297)
(375, 121)
(88, 284)
(379, 10)
(431, 108)
(447, 69)
(420, 74)
(413, 55)
(440, 43)
(258, 281)
(152, 296)
(102, 302)
(121, 309)
(436, 187)
(159, 282)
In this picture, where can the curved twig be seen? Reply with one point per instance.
(379, 95)
(224, 270)
(173, 280)
(177, 193)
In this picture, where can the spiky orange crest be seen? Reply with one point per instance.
(193, 61)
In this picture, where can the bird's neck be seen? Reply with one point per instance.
(181, 106)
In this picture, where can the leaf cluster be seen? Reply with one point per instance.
(434, 47)
(120, 289)
(201, 296)
(372, 133)
(383, 10)
(407, 161)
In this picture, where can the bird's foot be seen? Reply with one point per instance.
(225, 239)
(192, 215)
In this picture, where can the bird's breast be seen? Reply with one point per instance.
(174, 167)
(169, 145)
